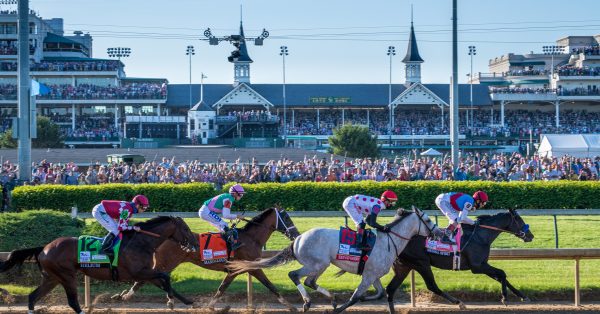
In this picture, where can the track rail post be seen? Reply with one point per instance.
(577, 292)
(87, 293)
(250, 289)
(413, 298)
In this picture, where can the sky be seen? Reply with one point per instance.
(329, 41)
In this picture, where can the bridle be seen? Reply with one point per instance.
(520, 234)
(184, 243)
(416, 212)
(279, 220)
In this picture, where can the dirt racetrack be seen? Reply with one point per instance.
(377, 307)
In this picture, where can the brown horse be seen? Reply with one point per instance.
(253, 235)
(58, 260)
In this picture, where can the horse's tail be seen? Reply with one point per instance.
(285, 256)
(339, 273)
(18, 257)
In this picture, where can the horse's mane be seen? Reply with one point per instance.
(153, 222)
(484, 218)
(258, 218)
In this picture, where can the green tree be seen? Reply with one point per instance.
(48, 134)
(6, 140)
(354, 141)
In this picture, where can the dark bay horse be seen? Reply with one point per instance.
(58, 260)
(476, 242)
(253, 235)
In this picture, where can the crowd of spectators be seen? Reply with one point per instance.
(577, 71)
(249, 115)
(88, 91)
(472, 166)
(429, 122)
(75, 66)
(521, 90)
(590, 50)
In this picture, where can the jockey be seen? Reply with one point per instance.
(222, 204)
(108, 211)
(456, 207)
(358, 206)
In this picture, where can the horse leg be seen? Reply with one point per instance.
(311, 282)
(429, 279)
(513, 289)
(163, 281)
(366, 282)
(400, 273)
(224, 285)
(260, 275)
(379, 292)
(295, 276)
(71, 291)
(45, 287)
(495, 273)
(125, 295)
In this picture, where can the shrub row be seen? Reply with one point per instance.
(35, 228)
(302, 196)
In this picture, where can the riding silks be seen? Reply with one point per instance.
(348, 248)
(213, 248)
(88, 252)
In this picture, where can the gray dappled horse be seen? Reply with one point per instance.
(317, 248)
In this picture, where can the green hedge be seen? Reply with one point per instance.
(163, 197)
(314, 196)
(35, 228)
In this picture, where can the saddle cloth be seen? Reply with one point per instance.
(348, 250)
(213, 248)
(438, 247)
(88, 252)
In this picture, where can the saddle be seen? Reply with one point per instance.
(348, 247)
(89, 256)
(214, 248)
(445, 247)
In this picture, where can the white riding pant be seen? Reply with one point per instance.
(443, 203)
(212, 218)
(353, 211)
(105, 220)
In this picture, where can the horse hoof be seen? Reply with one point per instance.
(171, 304)
(526, 300)
(306, 306)
(462, 306)
(504, 301)
(224, 310)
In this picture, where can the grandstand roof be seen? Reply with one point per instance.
(53, 38)
(300, 95)
(201, 106)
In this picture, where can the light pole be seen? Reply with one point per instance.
(284, 52)
(24, 130)
(472, 52)
(552, 50)
(190, 52)
(391, 52)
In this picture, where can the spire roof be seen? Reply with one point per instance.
(412, 53)
(243, 57)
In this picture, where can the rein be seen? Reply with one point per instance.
(152, 234)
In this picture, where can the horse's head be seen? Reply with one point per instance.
(285, 224)
(429, 227)
(518, 227)
(172, 228)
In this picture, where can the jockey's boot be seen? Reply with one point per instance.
(448, 237)
(107, 244)
(231, 236)
(361, 237)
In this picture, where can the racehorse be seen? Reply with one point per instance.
(58, 260)
(253, 235)
(317, 248)
(474, 255)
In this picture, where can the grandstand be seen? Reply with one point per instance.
(96, 104)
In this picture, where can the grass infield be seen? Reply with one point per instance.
(535, 277)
